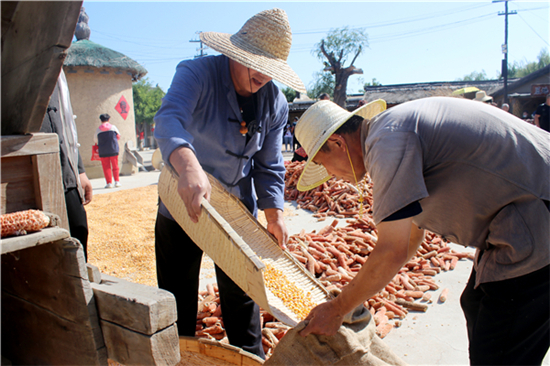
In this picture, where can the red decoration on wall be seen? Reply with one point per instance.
(122, 107)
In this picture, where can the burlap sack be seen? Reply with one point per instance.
(355, 343)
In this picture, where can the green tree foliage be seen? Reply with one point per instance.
(334, 50)
(147, 100)
(474, 76)
(374, 82)
(515, 69)
(521, 69)
(289, 93)
(323, 82)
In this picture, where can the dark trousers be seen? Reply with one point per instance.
(178, 269)
(78, 220)
(508, 321)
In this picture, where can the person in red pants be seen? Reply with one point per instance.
(107, 137)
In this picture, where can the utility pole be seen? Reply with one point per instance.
(505, 46)
(201, 49)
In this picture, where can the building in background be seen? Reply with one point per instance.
(100, 81)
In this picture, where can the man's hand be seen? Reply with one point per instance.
(397, 242)
(87, 187)
(193, 183)
(324, 319)
(276, 226)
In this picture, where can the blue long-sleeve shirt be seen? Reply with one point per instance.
(200, 111)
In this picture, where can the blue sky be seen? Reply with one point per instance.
(409, 41)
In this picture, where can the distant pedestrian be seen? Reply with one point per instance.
(481, 96)
(542, 115)
(505, 107)
(324, 96)
(295, 142)
(287, 138)
(107, 137)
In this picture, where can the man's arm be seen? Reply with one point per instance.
(193, 183)
(397, 242)
(537, 123)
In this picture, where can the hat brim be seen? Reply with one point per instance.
(313, 174)
(276, 69)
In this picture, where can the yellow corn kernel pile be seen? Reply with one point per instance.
(293, 297)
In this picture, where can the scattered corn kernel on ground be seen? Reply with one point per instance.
(121, 239)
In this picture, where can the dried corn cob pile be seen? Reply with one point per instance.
(333, 198)
(23, 222)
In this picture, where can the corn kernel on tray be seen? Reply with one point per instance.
(246, 252)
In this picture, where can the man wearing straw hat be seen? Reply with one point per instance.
(472, 173)
(224, 115)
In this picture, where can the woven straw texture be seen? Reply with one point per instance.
(205, 352)
(240, 246)
(262, 44)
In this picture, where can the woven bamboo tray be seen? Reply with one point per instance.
(236, 241)
(205, 352)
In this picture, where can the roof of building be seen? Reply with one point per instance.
(88, 53)
(400, 93)
(526, 79)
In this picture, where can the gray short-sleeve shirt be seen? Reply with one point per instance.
(480, 174)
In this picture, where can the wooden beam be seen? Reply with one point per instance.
(52, 314)
(141, 308)
(132, 348)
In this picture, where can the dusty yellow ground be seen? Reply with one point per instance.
(121, 240)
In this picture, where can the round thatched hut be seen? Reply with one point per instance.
(100, 81)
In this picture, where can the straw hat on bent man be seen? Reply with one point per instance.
(262, 44)
(314, 128)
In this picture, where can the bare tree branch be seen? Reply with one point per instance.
(356, 55)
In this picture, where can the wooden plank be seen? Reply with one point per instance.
(32, 335)
(44, 236)
(35, 144)
(35, 37)
(93, 273)
(141, 308)
(132, 348)
(16, 187)
(54, 277)
(49, 191)
(52, 313)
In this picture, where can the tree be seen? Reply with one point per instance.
(474, 76)
(521, 69)
(339, 44)
(374, 82)
(147, 101)
(323, 82)
(515, 70)
(289, 93)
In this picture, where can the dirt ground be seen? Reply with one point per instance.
(121, 238)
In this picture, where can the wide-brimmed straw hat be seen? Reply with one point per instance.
(481, 96)
(262, 44)
(314, 128)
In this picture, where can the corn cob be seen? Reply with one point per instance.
(21, 222)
